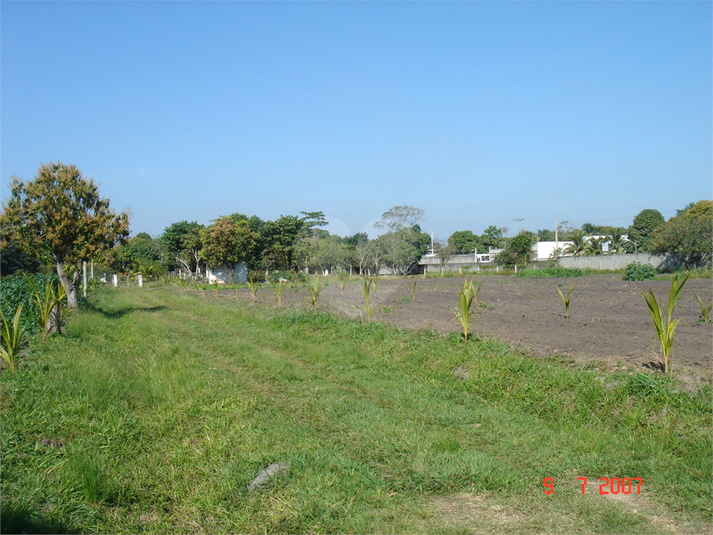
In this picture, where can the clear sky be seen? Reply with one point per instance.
(477, 112)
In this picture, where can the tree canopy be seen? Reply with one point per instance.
(61, 215)
(644, 224)
(689, 235)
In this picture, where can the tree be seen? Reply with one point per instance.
(226, 242)
(493, 237)
(595, 246)
(182, 243)
(545, 234)
(578, 243)
(402, 249)
(400, 217)
(444, 252)
(61, 215)
(464, 242)
(689, 235)
(517, 251)
(644, 224)
(280, 241)
(141, 249)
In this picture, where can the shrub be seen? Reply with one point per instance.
(639, 272)
(16, 291)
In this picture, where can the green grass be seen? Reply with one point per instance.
(155, 409)
(555, 271)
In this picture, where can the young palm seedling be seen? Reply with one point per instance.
(367, 310)
(277, 286)
(11, 337)
(216, 286)
(413, 291)
(48, 305)
(467, 296)
(315, 287)
(565, 300)
(705, 311)
(254, 287)
(665, 326)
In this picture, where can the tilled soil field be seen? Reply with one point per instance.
(609, 321)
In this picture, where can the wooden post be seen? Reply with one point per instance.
(115, 280)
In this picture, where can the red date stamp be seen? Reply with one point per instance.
(607, 485)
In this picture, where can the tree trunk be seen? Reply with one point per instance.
(54, 323)
(68, 285)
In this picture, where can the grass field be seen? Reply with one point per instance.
(157, 408)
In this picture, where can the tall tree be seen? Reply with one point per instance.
(226, 242)
(464, 242)
(400, 217)
(688, 235)
(182, 242)
(281, 239)
(493, 237)
(644, 224)
(62, 216)
(517, 251)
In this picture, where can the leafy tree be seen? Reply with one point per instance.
(464, 242)
(444, 251)
(61, 215)
(689, 235)
(320, 253)
(644, 224)
(517, 251)
(366, 253)
(226, 242)
(400, 217)
(182, 243)
(142, 249)
(356, 239)
(545, 235)
(281, 239)
(493, 237)
(15, 258)
(402, 249)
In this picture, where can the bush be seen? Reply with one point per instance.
(639, 272)
(16, 291)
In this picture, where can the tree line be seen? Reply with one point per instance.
(59, 219)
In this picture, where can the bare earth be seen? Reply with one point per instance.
(609, 322)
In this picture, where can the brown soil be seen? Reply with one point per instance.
(609, 321)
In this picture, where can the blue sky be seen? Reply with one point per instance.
(477, 112)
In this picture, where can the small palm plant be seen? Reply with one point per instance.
(705, 311)
(254, 287)
(48, 305)
(216, 286)
(467, 296)
(315, 287)
(11, 337)
(665, 326)
(277, 286)
(565, 300)
(413, 291)
(367, 310)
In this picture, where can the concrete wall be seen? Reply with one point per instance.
(615, 261)
(241, 273)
